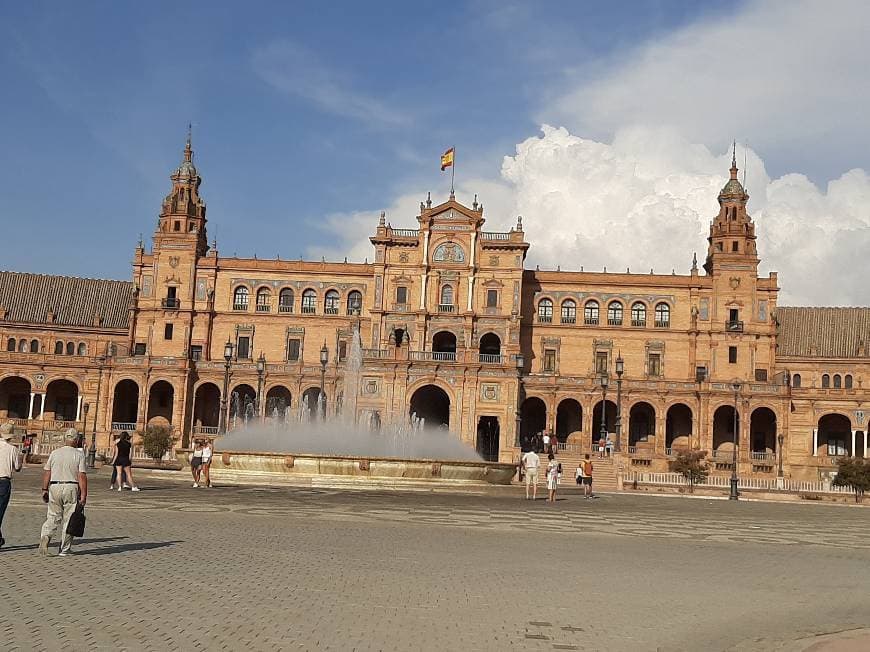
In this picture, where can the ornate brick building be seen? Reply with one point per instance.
(454, 330)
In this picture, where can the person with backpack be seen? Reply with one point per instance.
(586, 474)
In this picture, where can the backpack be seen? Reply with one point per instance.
(559, 469)
(587, 469)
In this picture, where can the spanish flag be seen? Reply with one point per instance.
(447, 159)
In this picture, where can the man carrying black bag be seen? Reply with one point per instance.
(64, 487)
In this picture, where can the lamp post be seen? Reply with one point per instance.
(620, 369)
(324, 359)
(780, 439)
(261, 369)
(603, 433)
(92, 451)
(733, 495)
(228, 358)
(520, 361)
(86, 407)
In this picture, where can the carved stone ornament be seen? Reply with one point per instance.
(403, 257)
(734, 282)
(449, 252)
(173, 261)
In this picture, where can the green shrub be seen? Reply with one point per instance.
(157, 441)
(692, 466)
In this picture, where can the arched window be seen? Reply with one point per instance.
(545, 311)
(590, 313)
(34, 346)
(83, 348)
(826, 381)
(58, 348)
(638, 314)
(838, 382)
(330, 303)
(663, 315)
(240, 298)
(309, 301)
(285, 300)
(614, 314)
(10, 344)
(354, 302)
(70, 348)
(264, 300)
(22, 346)
(446, 297)
(569, 311)
(796, 380)
(847, 381)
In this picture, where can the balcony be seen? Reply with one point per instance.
(663, 323)
(614, 322)
(545, 319)
(264, 307)
(446, 307)
(491, 358)
(591, 321)
(240, 307)
(330, 311)
(123, 427)
(433, 356)
(566, 319)
(285, 308)
(638, 323)
(308, 310)
(734, 326)
(170, 302)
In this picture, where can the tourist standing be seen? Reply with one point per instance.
(123, 463)
(113, 455)
(587, 476)
(546, 442)
(196, 462)
(601, 443)
(10, 462)
(578, 474)
(552, 477)
(608, 446)
(64, 485)
(207, 453)
(530, 463)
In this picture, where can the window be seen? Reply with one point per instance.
(733, 314)
(83, 349)
(590, 313)
(838, 382)
(243, 348)
(240, 298)
(167, 331)
(58, 348)
(848, 382)
(22, 346)
(761, 375)
(654, 364)
(700, 374)
(10, 344)
(732, 354)
(330, 303)
(549, 360)
(401, 295)
(139, 348)
(285, 300)
(70, 348)
(796, 380)
(309, 301)
(492, 298)
(826, 381)
(638, 314)
(601, 362)
(735, 247)
(545, 311)
(171, 292)
(34, 346)
(663, 315)
(294, 346)
(264, 300)
(718, 246)
(342, 351)
(176, 226)
(196, 352)
(447, 295)
(354, 302)
(836, 446)
(614, 314)
(569, 312)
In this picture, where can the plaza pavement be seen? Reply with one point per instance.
(289, 568)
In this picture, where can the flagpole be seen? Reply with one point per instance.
(453, 172)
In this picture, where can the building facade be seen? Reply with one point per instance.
(454, 330)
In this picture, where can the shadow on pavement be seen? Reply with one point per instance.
(34, 546)
(127, 547)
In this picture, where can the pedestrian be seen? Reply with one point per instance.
(578, 474)
(27, 446)
(587, 476)
(530, 463)
(122, 462)
(601, 444)
(552, 477)
(207, 453)
(64, 485)
(113, 455)
(547, 442)
(196, 462)
(608, 445)
(10, 462)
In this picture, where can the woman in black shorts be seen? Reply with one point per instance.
(123, 463)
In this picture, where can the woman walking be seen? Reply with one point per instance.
(123, 464)
(113, 455)
(196, 462)
(552, 477)
(206, 461)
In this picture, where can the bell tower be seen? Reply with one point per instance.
(732, 233)
(182, 215)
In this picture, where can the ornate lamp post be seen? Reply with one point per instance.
(228, 358)
(733, 495)
(86, 407)
(520, 361)
(261, 369)
(603, 432)
(620, 369)
(324, 360)
(780, 439)
(92, 451)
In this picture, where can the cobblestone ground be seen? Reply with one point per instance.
(237, 567)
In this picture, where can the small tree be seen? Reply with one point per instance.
(692, 466)
(157, 441)
(853, 473)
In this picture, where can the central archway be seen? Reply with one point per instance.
(432, 404)
(569, 419)
(14, 398)
(125, 404)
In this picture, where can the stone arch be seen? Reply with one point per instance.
(161, 400)
(533, 421)
(61, 399)
(490, 344)
(125, 402)
(206, 405)
(762, 431)
(834, 435)
(242, 404)
(678, 426)
(15, 397)
(310, 402)
(641, 423)
(569, 418)
(444, 341)
(723, 428)
(432, 404)
(609, 421)
(279, 400)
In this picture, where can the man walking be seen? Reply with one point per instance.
(10, 461)
(530, 463)
(64, 485)
(587, 477)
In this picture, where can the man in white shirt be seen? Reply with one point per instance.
(64, 485)
(10, 461)
(530, 463)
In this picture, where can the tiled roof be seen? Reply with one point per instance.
(28, 298)
(822, 332)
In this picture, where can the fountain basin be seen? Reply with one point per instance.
(306, 464)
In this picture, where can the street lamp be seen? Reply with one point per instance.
(92, 451)
(261, 369)
(603, 432)
(780, 439)
(520, 361)
(86, 407)
(228, 358)
(733, 495)
(324, 360)
(620, 369)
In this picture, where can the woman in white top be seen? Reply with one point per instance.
(552, 477)
(206, 461)
(196, 462)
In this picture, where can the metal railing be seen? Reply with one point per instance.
(663, 324)
(569, 320)
(206, 430)
(446, 307)
(377, 353)
(590, 321)
(435, 356)
(491, 358)
(405, 233)
(762, 456)
(330, 311)
(493, 235)
(745, 482)
(169, 302)
(638, 323)
(734, 326)
(285, 308)
(545, 319)
(308, 310)
(264, 307)
(239, 307)
(118, 426)
(614, 322)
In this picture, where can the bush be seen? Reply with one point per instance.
(853, 473)
(157, 441)
(692, 466)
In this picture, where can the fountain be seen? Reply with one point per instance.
(348, 442)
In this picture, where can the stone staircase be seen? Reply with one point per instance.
(603, 476)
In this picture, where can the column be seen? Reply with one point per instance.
(41, 406)
(79, 408)
(866, 433)
(470, 291)
(854, 442)
(815, 442)
(423, 278)
(30, 409)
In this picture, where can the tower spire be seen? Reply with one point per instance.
(734, 160)
(188, 150)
